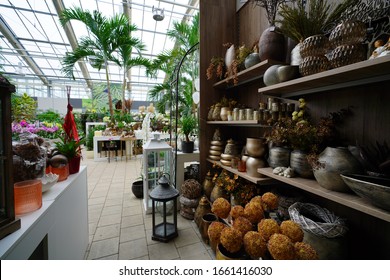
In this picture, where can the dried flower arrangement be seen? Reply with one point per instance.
(254, 245)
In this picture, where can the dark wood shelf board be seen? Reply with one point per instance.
(348, 199)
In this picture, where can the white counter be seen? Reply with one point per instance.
(63, 218)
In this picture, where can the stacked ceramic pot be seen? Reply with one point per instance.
(256, 149)
(231, 150)
(313, 50)
(346, 41)
(216, 146)
(190, 194)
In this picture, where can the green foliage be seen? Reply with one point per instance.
(188, 124)
(91, 134)
(299, 22)
(70, 148)
(49, 116)
(23, 107)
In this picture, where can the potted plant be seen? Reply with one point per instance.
(188, 124)
(71, 149)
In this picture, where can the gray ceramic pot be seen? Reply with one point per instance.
(279, 156)
(300, 165)
(336, 161)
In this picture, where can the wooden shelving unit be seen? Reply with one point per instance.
(246, 76)
(246, 123)
(361, 73)
(259, 181)
(348, 199)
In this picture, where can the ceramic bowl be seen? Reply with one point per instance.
(375, 189)
(49, 180)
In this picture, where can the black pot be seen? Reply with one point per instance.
(187, 147)
(138, 189)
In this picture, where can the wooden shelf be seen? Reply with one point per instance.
(248, 75)
(348, 199)
(365, 72)
(246, 123)
(259, 181)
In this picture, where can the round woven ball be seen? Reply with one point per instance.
(267, 227)
(231, 239)
(292, 230)
(221, 207)
(281, 247)
(254, 245)
(191, 189)
(304, 251)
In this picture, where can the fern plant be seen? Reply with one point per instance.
(300, 20)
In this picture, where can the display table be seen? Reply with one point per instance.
(62, 221)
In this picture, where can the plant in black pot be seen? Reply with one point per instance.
(188, 125)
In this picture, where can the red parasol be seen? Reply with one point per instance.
(69, 123)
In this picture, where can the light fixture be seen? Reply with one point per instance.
(158, 14)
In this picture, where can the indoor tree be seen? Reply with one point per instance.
(98, 47)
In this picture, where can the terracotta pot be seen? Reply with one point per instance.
(256, 147)
(300, 165)
(252, 164)
(207, 186)
(279, 156)
(272, 45)
(336, 161)
(203, 208)
(207, 219)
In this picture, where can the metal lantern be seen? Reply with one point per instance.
(157, 160)
(164, 202)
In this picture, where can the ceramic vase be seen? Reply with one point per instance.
(279, 156)
(203, 208)
(300, 164)
(333, 162)
(207, 219)
(256, 147)
(207, 186)
(272, 45)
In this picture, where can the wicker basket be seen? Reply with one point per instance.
(316, 45)
(313, 64)
(347, 54)
(331, 227)
(348, 33)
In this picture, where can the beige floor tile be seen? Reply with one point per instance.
(113, 201)
(96, 201)
(186, 236)
(110, 220)
(110, 210)
(192, 250)
(133, 220)
(163, 251)
(112, 257)
(104, 248)
(107, 232)
(132, 233)
(133, 249)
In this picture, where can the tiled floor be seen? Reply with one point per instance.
(118, 227)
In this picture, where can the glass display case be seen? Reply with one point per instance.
(8, 221)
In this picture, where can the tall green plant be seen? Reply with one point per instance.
(126, 44)
(185, 35)
(99, 47)
(23, 107)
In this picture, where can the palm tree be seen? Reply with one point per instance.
(185, 36)
(99, 47)
(126, 44)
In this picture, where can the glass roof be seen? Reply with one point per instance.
(33, 43)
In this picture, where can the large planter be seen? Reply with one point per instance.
(138, 189)
(272, 45)
(333, 162)
(300, 165)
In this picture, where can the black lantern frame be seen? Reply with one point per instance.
(163, 195)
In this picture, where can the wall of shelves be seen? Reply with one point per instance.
(362, 86)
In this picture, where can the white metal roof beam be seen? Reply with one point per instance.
(14, 41)
(59, 5)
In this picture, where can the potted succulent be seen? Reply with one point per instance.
(188, 124)
(71, 149)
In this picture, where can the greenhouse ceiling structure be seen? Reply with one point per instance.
(33, 43)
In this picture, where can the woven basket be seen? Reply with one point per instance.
(331, 227)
